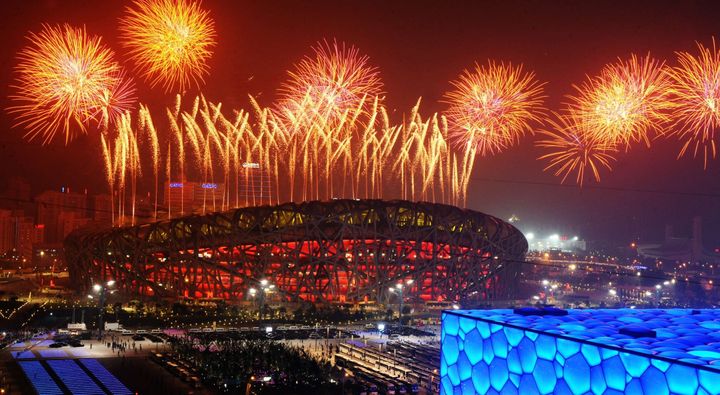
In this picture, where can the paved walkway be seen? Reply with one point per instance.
(127, 360)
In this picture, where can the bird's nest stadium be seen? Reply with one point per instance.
(333, 251)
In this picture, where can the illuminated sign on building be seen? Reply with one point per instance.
(176, 185)
(209, 186)
(251, 165)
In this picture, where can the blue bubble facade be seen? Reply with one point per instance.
(501, 352)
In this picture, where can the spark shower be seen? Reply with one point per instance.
(329, 134)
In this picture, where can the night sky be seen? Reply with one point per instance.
(419, 46)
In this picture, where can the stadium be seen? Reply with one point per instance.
(320, 251)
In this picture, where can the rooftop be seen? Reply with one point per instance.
(691, 337)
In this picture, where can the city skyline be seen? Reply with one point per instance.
(634, 200)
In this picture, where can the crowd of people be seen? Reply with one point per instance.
(267, 366)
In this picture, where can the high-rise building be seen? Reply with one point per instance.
(254, 186)
(186, 197)
(52, 203)
(7, 231)
(27, 234)
(208, 196)
(101, 208)
(179, 197)
(16, 196)
(68, 222)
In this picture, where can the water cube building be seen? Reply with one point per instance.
(552, 351)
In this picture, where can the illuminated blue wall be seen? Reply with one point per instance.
(499, 352)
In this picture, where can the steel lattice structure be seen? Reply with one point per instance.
(340, 250)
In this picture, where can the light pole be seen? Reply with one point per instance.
(101, 290)
(252, 292)
(398, 289)
(265, 287)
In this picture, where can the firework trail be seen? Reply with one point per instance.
(65, 79)
(325, 87)
(626, 102)
(574, 149)
(146, 124)
(361, 156)
(170, 41)
(493, 106)
(109, 174)
(696, 91)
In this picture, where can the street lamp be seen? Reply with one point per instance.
(252, 292)
(265, 287)
(545, 284)
(398, 289)
(101, 290)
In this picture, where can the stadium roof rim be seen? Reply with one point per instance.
(409, 214)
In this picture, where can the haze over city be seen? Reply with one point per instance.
(359, 197)
(417, 51)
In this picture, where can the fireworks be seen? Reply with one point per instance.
(492, 107)
(170, 41)
(335, 81)
(64, 79)
(329, 134)
(625, 102)
(696, 89)
(574, 149)
(362, 158)
(115, 101)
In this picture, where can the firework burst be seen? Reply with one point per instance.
(115, 101)
(336, 81)
(696, 89)
(627, 101)
(574, 149)
(64, 79)
(493, 106)
(170, 41)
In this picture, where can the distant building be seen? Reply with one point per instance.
(179, 197)
(208, 195)
(254, 186)
(69, 221)
(557, 243)
(50, 206)
(16, 196)
(7, 231)
(186, 197)
(47, 256)
(101, 208)
(27, 234)
(19, 233)
(682, 249)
